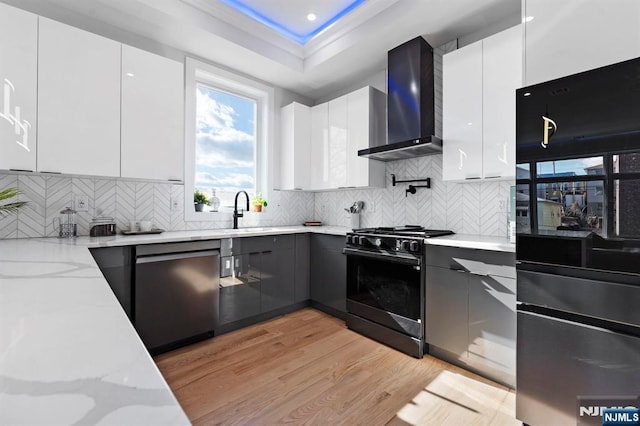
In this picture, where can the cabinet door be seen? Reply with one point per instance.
(277, 279)
(568, 37)
(492, 325)
(240, 293)
(152, 116)
(320, 147)
(18, 87)
(329, 272)
(78, 101)
(295, 146)
(302, 259)
(338, 142)
(448, 310)
(365, 128)
(462, 113)
(501, 76)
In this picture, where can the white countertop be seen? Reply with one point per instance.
(478, 242)
(210, 234)
(68, 353)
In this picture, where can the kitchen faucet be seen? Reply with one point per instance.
(237, 214)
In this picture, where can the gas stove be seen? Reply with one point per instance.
(403, 239)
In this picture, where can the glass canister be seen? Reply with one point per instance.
(66, 223)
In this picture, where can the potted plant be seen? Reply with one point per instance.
(9, 208)
(200, 200)
(258, 202)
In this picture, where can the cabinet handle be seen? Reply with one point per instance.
(472, 178)
(51, 173)
(174, 180)
(21, 170)
(492, 177)
(545, 133)
(463, 156)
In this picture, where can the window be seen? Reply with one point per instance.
(225, 159)
(228, 128)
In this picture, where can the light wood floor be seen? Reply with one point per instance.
(308, 368)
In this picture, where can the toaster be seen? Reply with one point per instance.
(102, 227)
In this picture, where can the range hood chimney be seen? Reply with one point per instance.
(410, 104)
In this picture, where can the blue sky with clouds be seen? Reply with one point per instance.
(225, 142)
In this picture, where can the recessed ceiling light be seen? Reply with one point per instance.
(527, 94)
(311, 17)
(528, 19)
(130, 74)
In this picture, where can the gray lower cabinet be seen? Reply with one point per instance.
(471, 309)
(302, 259)
(116, 264)
(258, 276)
(328, 274)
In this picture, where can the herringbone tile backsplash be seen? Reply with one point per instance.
(465, 208)
(127, 200)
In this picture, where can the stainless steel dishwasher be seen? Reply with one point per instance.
(176, 293)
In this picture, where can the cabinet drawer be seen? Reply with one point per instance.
(479, 262)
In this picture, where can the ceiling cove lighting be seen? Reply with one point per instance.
(282, 29)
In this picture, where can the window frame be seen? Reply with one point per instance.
(198, 72)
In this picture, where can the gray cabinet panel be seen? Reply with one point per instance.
(447, 310)
(276, 279)
(116, 264)
(240, 292)
(492, 324)
(328, 271)
(302, 260)
(471, 309)
(481, 262)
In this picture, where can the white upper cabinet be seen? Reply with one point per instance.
(152, 135)
(338, 129)
(462, 113)
(78, 101)
(18, 85)
(501, 76)
(295, 146)
(319, 167)
(366, 117)
(567, 37)
(479, 84)
(338, 142)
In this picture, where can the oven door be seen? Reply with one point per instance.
(386, 289)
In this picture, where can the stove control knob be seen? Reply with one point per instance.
(414, 246)
(405, 245)
(362, 240)
(348, 239)
(378, 242)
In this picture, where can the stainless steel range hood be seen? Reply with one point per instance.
(410, 104)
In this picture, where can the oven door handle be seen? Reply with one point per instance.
(398, 258)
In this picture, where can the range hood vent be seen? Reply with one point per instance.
(410, 104)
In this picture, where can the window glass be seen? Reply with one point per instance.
(225, 154)
(523, 221)
(573, 167)
(626, 163)
(626, 208)
(576, 206)
(523, 171)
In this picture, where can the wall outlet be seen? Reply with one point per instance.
(82, 203)
(502, 206)
(369, 206)
(174, 205)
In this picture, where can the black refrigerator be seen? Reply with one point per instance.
(578, 246)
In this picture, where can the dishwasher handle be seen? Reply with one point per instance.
(176, 256)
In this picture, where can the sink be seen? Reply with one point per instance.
(252, 230)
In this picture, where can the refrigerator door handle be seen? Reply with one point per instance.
(546, 134)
